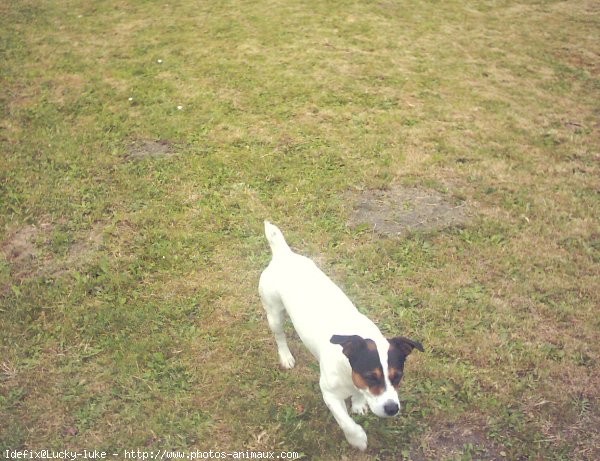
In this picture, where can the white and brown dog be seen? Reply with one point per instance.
(355, 359)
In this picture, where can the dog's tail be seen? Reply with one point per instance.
(276, 240)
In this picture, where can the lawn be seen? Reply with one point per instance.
(143, 143)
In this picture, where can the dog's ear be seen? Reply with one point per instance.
(350, 344)
(405, 345)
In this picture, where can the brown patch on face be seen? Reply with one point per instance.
(367, 372)
(377, 390)
(400, 348)
(377, 375)
(371, 381)
(359, 381)
(395, 376)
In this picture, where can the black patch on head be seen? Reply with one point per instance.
(400, 348)
(364, 360)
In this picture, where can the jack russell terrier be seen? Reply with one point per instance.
(355, 359)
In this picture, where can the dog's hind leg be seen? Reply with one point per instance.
(276, 317)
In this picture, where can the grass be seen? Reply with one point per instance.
(129, 313)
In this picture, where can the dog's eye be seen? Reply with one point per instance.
(395, 378)
(372, 380)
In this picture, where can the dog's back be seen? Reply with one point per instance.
(314, 303)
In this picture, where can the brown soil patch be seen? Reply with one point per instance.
(24, 251)
(81, 250)
(450, 441)
(20, 249)
(140, 150)
(401, 210)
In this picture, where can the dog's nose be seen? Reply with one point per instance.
(390, 408)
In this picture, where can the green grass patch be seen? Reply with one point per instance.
(143, 144)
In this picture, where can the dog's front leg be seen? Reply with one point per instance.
(359, 404)
(355, 434)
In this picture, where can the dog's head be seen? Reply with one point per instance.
(377, 369)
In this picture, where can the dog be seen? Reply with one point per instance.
(356, 361)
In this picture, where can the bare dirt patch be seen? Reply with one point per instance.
(81, 251)
(21, 250)
(27, 251)
(401, 210)
(449, 441)
(152, 149)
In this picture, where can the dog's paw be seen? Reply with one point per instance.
(360, 407)
(357, 438)
(287, 360)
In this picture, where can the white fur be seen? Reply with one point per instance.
(319, 309)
